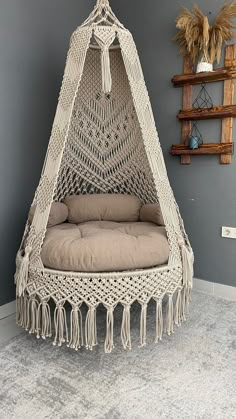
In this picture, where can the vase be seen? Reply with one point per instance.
(204, 66)
(194, 142)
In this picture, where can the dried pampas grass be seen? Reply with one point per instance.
(197, 38)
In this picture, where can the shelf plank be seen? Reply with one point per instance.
(186, 126)
(228, 99)
(204, 113)
(220, 74)
(210, 148)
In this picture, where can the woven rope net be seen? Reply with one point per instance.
(104, 139)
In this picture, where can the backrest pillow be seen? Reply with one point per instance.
(58, 214)
(106, 207)
(152, 213)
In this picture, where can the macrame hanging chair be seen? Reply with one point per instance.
(103, 140)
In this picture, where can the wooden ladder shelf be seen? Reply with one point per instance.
(226, 112)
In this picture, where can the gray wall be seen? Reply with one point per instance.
(205, 190)
(34, 39)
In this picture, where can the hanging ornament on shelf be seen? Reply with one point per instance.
(203, 99)
(194, 138)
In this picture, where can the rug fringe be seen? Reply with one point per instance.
(125, 328)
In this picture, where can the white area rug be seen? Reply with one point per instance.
(191, 374)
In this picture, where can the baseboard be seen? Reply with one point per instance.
(7, 309)
(212, 288)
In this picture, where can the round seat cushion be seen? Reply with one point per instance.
(104, 246)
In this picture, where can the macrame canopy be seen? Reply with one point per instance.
(103, 140)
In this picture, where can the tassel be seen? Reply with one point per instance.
(106, 71)
(109, 331)
(143, 325)
(91, 329)
(183, 305)
(19, 311)
(159, 321)
(178, 303)
(187, 260)
(60, 324)
(44, 322)
(32, 315)
(170, 316)
(25, 302)
(76, 329)
(125, 328)
(21, 275)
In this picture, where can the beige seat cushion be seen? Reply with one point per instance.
(101, 246)
(107, 207)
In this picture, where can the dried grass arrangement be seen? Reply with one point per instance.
(201, 40)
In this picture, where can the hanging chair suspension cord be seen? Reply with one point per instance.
(103, 3)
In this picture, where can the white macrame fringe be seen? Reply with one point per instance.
(159, 321)
(60, 325)
(32, 315)
(22, 311)
(170, 316)
(44, 323)
(143, 325)
(178, 304)
(109, 345)
(91, 328)
(35, 316)
(187, 260)
(21, 275)
(76, 329)
(125, 328)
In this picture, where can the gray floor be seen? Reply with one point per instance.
(191, 375)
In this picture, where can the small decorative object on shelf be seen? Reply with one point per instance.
(202, 41)
(194, 139)
(203, 99)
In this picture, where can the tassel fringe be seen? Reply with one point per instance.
(44, 323)
(76, 329)
(60, 324)
(125, 328)
(91, 328)
(32, 315)
(187, 260)
(35, 316)
(109, 331)
(178, 305)
(21, 275)
(170, 316)
(143, 325)
(159, 321)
